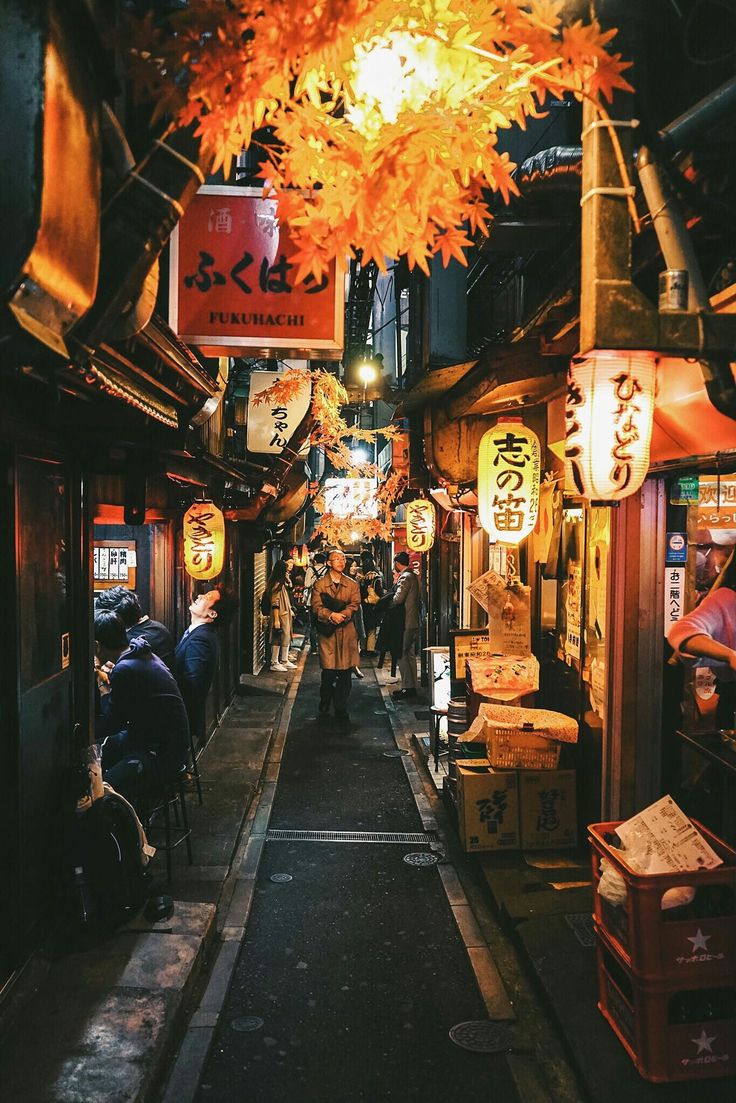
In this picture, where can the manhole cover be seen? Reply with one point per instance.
(394, 754)
(281, 878)
(245, 1023)
(482, 1037)
(421, 858)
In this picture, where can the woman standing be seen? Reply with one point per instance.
(335, 599)
(355, 573)
(281, 617)
(371, 592)
(709, 632)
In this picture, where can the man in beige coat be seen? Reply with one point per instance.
(338, 641)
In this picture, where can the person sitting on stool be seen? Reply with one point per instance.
(142, 726)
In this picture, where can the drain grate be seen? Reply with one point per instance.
(421, 858)
(278, 835)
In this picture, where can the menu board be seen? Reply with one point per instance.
(467, 643)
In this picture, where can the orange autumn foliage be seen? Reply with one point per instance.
(331, 432)
(384, 114)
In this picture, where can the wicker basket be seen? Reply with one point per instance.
(520, 748)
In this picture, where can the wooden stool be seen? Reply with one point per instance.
(436, 714)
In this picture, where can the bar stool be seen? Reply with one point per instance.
(195, 766)
(436, 714)
(167, 796)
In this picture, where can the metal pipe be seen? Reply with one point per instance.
(669, 225)
(700, 117)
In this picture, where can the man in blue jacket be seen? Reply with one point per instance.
(198, 653)
(142, 725)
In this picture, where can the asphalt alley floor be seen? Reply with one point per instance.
(352, 973)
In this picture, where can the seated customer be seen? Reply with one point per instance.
(198, 652)
(125, 603)
(142, 726)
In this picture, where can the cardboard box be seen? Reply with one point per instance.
(488, 809)
(548, 816)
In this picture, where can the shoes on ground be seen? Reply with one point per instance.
(313, 651)
(358, 672)
(403, 694)
(279, 667)
(289, 664)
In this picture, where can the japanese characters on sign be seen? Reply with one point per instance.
(111, 564)
(420, 525)
(204, 541)
(232, 281)
(272, 424)
(351, 498)
(509, 464)
(608, 423)
(717, 503)
(674, 595)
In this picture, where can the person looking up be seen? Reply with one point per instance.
(406, 593)
(335, 599)
(281, 616)
(142, 727)
(198, 653)
(137, 625)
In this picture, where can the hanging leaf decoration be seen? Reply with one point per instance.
(332, 433)
(383, 114)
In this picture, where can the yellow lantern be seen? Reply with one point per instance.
(204, 541)
(420, 525)
(509, 465)
(608, 423)
(300, 555)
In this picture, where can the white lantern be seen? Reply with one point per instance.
(608, 423)
(509, 465)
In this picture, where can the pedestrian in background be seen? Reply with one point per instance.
(280, 617)
(315, 570)
(406, 593)
(335, 600)
(371, 592)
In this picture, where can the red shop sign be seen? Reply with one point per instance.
(231, 282)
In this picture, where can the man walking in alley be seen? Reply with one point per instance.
(406, 593)
(335, 599)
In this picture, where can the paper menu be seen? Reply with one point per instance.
(661, 839)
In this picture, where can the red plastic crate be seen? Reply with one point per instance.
(664, 1051)
(655, 944)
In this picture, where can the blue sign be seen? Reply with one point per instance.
(676, 548)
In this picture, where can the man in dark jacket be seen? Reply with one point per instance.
(198, 653)
(125, 603)
(406, 593)
(142, 726)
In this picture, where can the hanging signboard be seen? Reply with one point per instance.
(509, 617)
(272, 424)
(717, 503)
(674, 596)
(573, 608)
(204, 541)
(231, 282)
(420, 525)
(351, 498)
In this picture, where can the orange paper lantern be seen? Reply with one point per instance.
(204, 541)
(420, 525)
(509, 466)
(608, 423)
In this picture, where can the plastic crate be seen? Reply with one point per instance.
(671, 944)
(519, 748)
(699, 1044)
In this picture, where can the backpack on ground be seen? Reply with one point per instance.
(109, 883)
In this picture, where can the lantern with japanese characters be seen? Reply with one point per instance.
(509, 465)
(300, 554)
(608, 423)
(204, 541)
(420, 525)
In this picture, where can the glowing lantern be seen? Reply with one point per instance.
(608, 423)
(420, 525)
(300, 555)
(509, 464)
(204, 541)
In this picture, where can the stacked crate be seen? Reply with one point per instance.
(667, 977)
